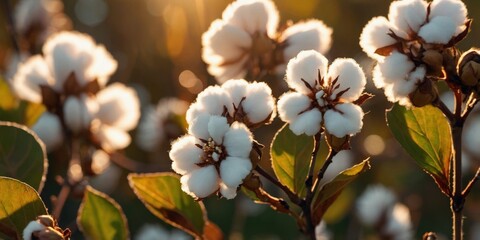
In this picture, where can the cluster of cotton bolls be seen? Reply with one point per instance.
(414, 47)
(215, 154)
(323, 95)
(246, 40)
(70, 79)
(377, 207)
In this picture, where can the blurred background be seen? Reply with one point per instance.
(157, 45)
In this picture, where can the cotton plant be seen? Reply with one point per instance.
(415, 49)
(246, 41)
(378, 208)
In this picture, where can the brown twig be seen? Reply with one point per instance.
(470, 184)
(291, 195)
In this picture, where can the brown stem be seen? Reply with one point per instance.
(470, 184)
(457, 200)
(441, 105)
(313, 160)
(322, 171)
(291, 195)
(60, 200)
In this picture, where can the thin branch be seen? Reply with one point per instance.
(471, 103)
(60, 200)
(470, 184)
(313, 160)
(291, 195)
(441, 105)
(322, 171)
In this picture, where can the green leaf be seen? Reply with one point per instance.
(425, 134)
(332, 190)
(100, 217)
(19, 204)
(161, 193)
(22, 155)
(290, 158)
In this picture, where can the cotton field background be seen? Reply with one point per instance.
(153, 66)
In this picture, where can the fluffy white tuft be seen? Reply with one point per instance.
(375, 35)
(453, 9)
(228, 192)
(201, 182)
(259, 103)
(321, 232)
(112, 138)
(312, 34)
(29, 77)
(238, 140)
(185, 154)
(374, 202)
(345, 119)
(395, 67)
(212, 100)
(233, 170)
(253, 16)
(408, 15)
(350, 76)
(224, 43)
(291, 104)
(119, 106)
(199, 126)
(32, 227)
(217, 127)
(439, 30)
(306, 66)
(237, 90)
(308, 123)
(49, 130)
(232, 70)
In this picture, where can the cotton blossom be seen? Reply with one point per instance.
(245, 40)
(49, 129)
(322, 94)
(35, 20)
(118, 112)
(212, 157)
(161, 123)
(249, 102)
(411, 46)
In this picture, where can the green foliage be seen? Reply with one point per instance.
(100, 217)
(19, 204)
(330, 191)
(22, 155)
(425, 134)
(291, 156)
(161, 193)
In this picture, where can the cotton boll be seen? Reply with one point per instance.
(224, 43)
(373, 203)
(291, 104)
(217, 127)
(238, 141)
(375, 35)
(102, 66)
(453, 9)
(259, 103)
(49, 130)
(201, 182)
(29, 77)
(311, 34)
(408, 15)
(306, 66)
(119, 106)
(237, 90)
(185, 154)
(78, 112)
(399, 223)
(213, 100)
(199, 126)
(439, 30)
(345, 120)
(350, 76)
(233, 170)
(32, 226)
(308, 123)
(253, 16)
